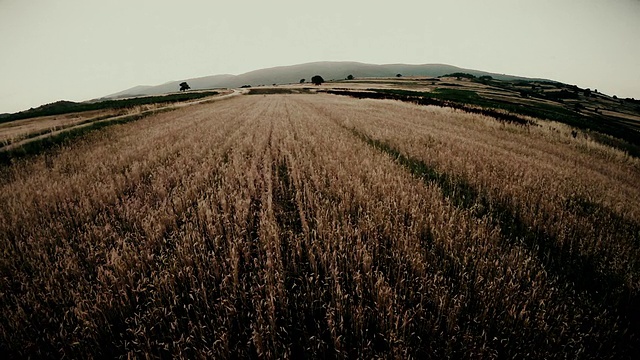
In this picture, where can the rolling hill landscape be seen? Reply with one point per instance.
(292, 74)
(444, 213)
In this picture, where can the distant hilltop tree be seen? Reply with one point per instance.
(350, 77)
(460, 75)
(184, 86)
(317, 80)
(398, 75)
(302, 81)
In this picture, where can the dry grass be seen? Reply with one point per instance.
(14, 131)
(284, 226)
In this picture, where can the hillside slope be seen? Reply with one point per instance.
(292, 74)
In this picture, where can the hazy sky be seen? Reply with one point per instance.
(82, 49)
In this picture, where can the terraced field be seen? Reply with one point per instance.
(315, 225)
(15, 131)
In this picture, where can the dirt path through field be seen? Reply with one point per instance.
(102, 119)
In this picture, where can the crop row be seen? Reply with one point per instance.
(290, 226)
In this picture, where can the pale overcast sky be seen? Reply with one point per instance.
(82, 49)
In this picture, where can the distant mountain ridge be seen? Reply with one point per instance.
(292, 74)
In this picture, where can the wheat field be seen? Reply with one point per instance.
(15, 131)
(319, 226)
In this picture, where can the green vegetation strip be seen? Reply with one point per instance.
(39, 146)
(575, 270)
(540, 111)
(67, 107)
(619, 136)
(442, 102)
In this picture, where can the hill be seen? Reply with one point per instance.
(292, 74)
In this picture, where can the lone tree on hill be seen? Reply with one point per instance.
(398, 75)
(184, 86)
(302, 81)
(350, 77)
(317, 80)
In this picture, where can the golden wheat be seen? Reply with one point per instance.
(318, 226)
